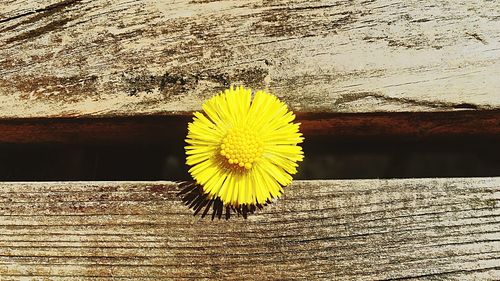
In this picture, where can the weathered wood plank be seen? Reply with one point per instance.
(351, 229)
(93, 58)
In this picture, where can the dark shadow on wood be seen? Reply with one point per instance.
(194, 198)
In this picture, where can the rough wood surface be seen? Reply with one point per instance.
(92, 58)
(446, 229)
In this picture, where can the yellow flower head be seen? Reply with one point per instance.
(243, 150)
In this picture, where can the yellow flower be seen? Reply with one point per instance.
(243, 151)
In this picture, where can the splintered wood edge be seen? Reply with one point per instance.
(341, 229)
(96, 58)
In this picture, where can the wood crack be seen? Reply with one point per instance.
(39, 14)
(431, 275)
(439, 105)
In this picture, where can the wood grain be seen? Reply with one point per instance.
(446, 229)
(116, 58)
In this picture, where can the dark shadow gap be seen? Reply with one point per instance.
(338, 146)
(326, 158)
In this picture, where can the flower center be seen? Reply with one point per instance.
(241, 147)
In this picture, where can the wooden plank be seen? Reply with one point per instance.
(447, 229)
(109, 58)
(472, 125)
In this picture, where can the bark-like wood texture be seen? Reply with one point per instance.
(93, 58)
(446, 229)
